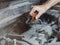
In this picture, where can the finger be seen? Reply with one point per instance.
(32, 11)
(38, 16)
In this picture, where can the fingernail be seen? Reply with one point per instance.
(36, 18)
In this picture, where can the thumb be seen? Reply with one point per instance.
(38, 15)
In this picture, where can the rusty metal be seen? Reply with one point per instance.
(34, 16)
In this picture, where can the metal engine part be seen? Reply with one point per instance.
(45, 32)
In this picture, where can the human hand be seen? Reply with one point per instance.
(40, 8)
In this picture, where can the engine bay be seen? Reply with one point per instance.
(44, 32)
(21, 29)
